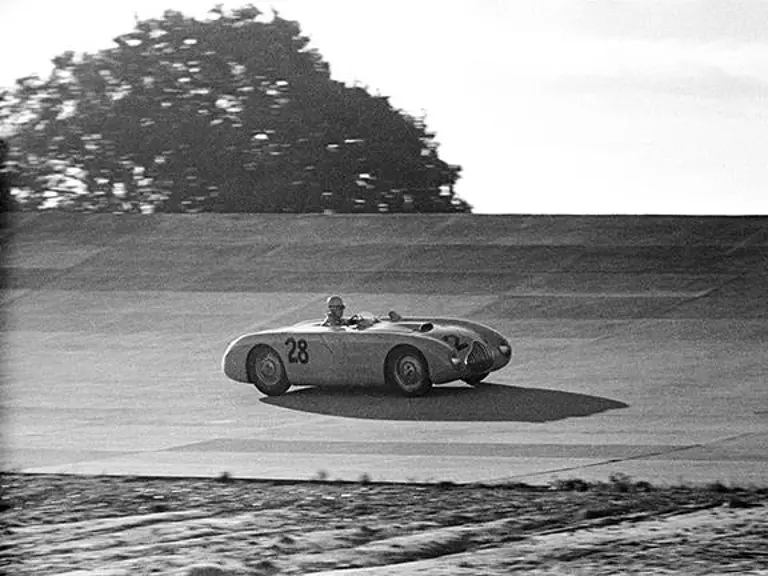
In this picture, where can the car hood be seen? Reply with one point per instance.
(438, 331)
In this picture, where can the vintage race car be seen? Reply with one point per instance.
(409, 354)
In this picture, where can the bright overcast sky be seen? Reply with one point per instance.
(550, 106)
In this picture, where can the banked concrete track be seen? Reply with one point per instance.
(640, 346)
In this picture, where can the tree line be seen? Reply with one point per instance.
(233, 113)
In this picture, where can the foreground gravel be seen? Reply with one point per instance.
(117, 526)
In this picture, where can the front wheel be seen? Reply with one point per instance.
(476, 380)
(266, 371)
(406, 370)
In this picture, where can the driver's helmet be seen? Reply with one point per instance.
(335, 302)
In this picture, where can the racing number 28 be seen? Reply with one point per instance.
(298, 352)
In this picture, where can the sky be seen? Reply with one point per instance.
(549, 106)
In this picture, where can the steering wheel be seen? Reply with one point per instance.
(354, 320)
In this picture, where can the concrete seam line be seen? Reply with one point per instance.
(629, 458)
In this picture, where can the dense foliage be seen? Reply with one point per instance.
(234, 113)
(5, 184)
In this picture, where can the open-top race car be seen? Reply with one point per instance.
(409, 354)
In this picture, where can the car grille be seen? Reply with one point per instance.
(480, 358)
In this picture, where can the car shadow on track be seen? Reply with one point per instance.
(488, 402)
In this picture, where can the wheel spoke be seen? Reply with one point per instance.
(267, 371)
(407, 371)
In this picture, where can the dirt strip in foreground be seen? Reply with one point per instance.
(115, 526)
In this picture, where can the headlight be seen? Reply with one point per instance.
(457, 362)
(505, 349)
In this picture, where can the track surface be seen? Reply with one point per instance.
(639, 346)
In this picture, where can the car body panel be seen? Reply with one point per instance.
(313, 354)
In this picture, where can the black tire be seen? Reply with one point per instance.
(476, 380)
(266, 371)
(406, 371)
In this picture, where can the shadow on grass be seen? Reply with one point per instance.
(489, 402)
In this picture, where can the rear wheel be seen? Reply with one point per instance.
(476, 380)
(266, 371)
(406, 370)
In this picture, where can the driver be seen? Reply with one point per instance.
(335, 315)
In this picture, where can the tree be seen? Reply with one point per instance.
(235, 113)
(5, 184)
